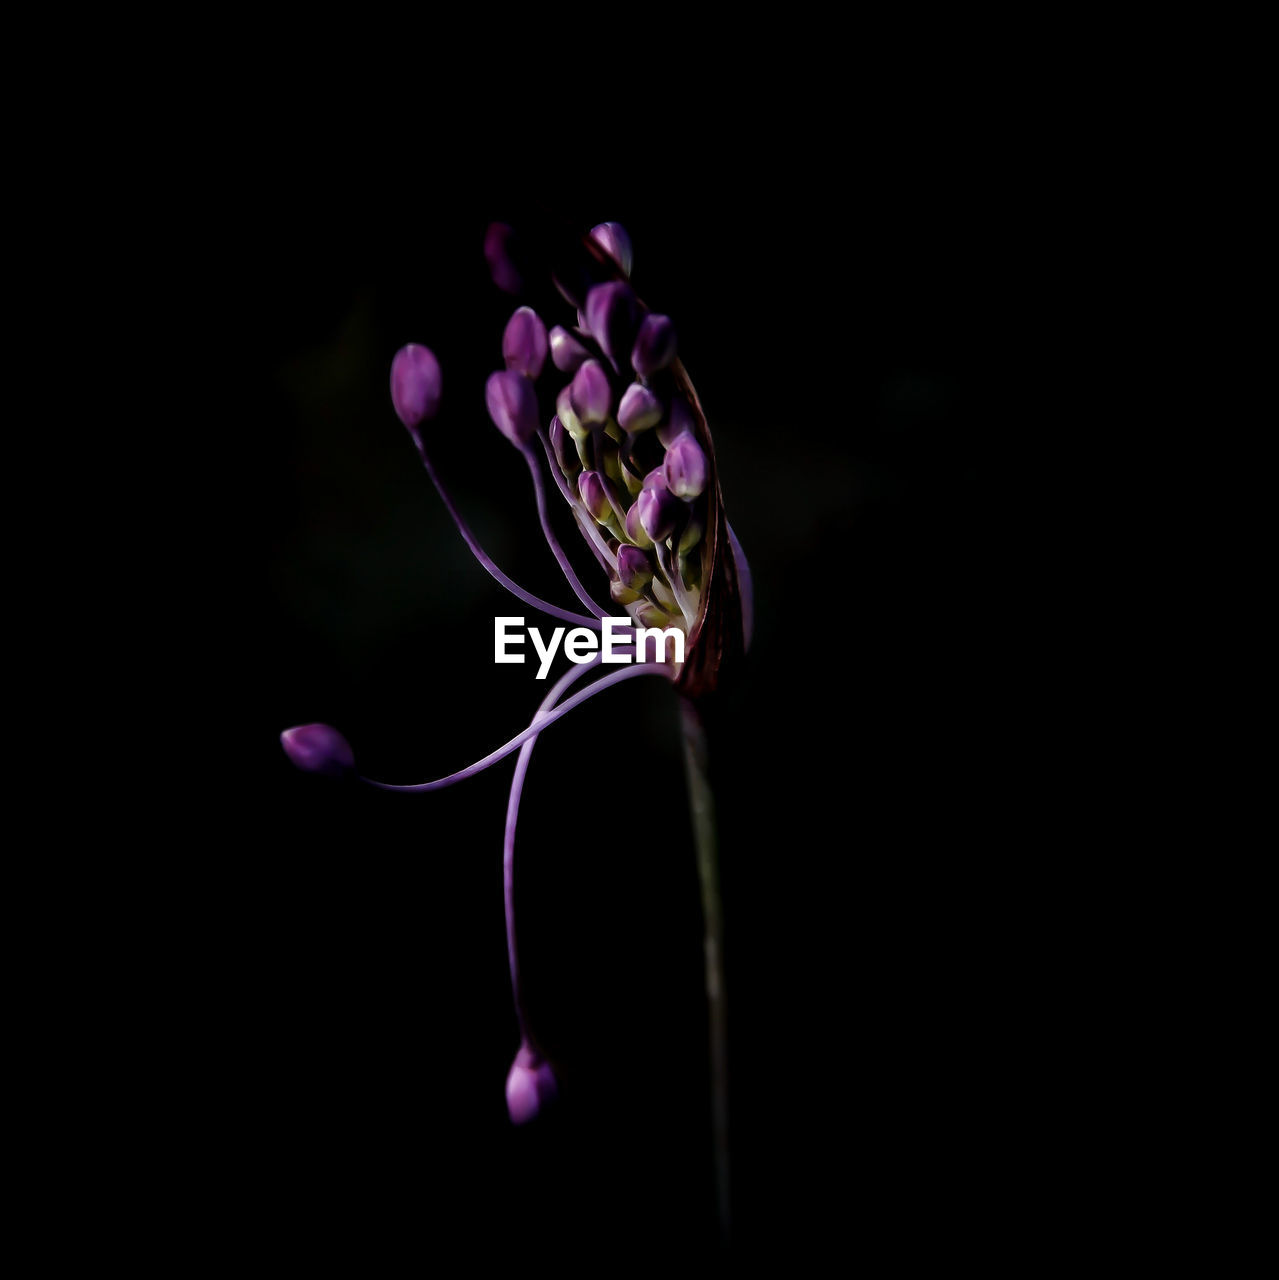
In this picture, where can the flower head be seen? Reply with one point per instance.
(619, 428)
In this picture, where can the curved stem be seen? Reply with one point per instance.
(702, 806)
(508, 847)
(683, 598)
(586, 523)
(556, 550)
(640, 669)
(478, 552)
(599, 548)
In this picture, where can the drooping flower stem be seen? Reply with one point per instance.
(602, 552)
(539, 725)
(701, 802)
(539, 491)
(479, 553)
(512, 815)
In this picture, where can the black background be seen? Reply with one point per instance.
(856, 332)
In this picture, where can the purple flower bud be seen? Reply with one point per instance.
(611, 317)
(654, 345)
(678, 421)
(512, 405)
(415, 384)
(524, 342)
(590, 488)
(568, 419)
(565, 450)
(497, 250)
(660, 512)
(590, 394)
(567, 351)
(685, 467)
(633, 568)
(612, 238)
(635, 530)
(318, 748)
(530, 1085)
(640, 409)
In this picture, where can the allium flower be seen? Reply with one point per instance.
(619, 427)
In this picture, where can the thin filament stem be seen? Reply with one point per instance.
(494, 572)
(687, 605)
(586, 523)
(639, 669)
(540, 490)
(512, 817)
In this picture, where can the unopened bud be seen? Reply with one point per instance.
(565, 450)
(633, 568)
(660, 512)
(685, 467)
(567, 352)
(590, 394)
(590, 488)
(319, 748)
(611, 316)
(512, 404)
(524, 342)
(415, 384)
(612, 238)
(640, 409)
(654, 345)
(530, 1085)
(498, 244)
(568, 419)
(678, 420)
(634, 529)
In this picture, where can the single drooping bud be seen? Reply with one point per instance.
(524, 342)
(654, 345)
(415, 384)
(567, 350)
(685, 467)
(660, 511)
(633, 568)
(590, 394)
(678, 421)
(530, 1085)
(319, 748)
(512, 405)
(498, 245)
(634, 529)
(611, 316)
(640, 409)
(590, 488)
(612, 238)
